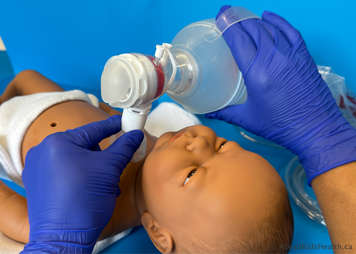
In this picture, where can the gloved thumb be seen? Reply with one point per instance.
(88, 136)
(235, 114)
(222, 10)
(122, 150)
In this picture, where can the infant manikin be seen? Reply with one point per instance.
(194, 192)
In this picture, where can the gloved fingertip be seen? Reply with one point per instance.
(133, 138)
(266, 13)
(127, 144)
(138, 134)
(222, 9)
(115, 118)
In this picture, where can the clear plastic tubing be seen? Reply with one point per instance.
(197, 70)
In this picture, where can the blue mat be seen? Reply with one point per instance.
(6, 71)
(69, 41)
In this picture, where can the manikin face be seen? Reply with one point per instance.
(203, 187)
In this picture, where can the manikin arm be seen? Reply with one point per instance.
(29, 82)
(13, 214)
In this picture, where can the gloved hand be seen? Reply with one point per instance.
(288, 101)
(72, 186)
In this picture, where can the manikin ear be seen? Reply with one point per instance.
(160, 237)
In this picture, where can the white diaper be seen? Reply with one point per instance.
(17, 114)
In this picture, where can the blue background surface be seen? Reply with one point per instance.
(70, 41)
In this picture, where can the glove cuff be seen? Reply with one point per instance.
(330, 152)
(52, 247)
(52, 241)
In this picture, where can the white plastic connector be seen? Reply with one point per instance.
(159, 51)
(135, 119)
(162, 54)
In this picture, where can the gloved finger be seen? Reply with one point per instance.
(290, 32)
(235, 114)
(280, 40)
(241, 45)
(261, 37)
(124, 147)
(88, 136)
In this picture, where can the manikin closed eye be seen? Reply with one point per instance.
(193, 171)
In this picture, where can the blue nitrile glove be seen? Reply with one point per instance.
(288, 101)
(72, 186)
